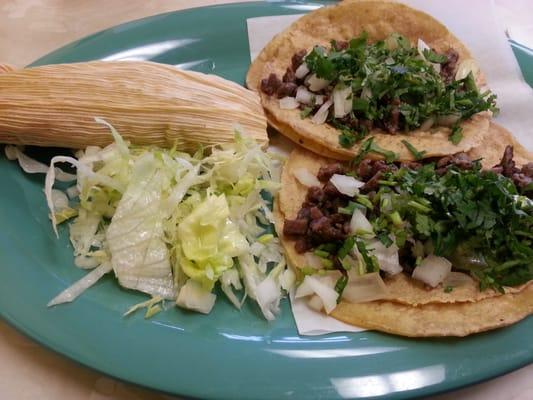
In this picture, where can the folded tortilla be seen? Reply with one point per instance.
(344, 22)
(408, 297)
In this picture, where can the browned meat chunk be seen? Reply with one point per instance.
(327, 171)
(447, 70)
(270, 85)
(295, 227)
(297, 59)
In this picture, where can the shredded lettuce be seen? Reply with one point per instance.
(175, 225)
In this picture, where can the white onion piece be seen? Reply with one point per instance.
(288, 103)
(303, 290)
(301, 71)
(342, 101)
(432, 270)
(305, 177)
(448, 120)
(427, 124)
(194, 297)
(359, 224)
(304, 96)
(367, 287)
(465, 67)
(313, 261)
(319, 99)
(388, 257)
(315, 303)
(316, 84)
(345, 184)
(326, 292)
(421, 46)
(322, 113)
(457, 279)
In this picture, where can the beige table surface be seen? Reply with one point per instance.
(32, 28)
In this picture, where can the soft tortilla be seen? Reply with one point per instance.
(343, 22)
(401, 288)
(460, 319)
(493, 145)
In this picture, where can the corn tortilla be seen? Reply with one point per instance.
(401, 288)
(343, 22)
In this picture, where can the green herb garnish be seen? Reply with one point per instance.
(418, 155)
(456, 135)
(393, 87)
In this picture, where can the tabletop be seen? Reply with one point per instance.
(30, 29)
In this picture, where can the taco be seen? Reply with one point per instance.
(375, 69)
(447, 235)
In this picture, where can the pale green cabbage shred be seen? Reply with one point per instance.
(160, 217)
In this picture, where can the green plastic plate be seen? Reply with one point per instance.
(227, 354)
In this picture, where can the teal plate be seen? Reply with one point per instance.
(227, 354)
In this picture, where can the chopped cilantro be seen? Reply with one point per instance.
(379, 73)
(456, 135)
(418, 155)
(305, 112)
(368, 146)
(448, 289)
(340, 285)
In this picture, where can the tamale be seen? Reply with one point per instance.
(148, 103)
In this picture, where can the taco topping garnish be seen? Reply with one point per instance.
(422, 219)
(357, 86)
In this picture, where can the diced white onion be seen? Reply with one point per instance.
(194, 297)
(345, 184)
(322, 113)
(388, 257)
(326, 292)
(313, 261)
(304, 96)
(303, 290)
(301, 71)
(288, 103)
(342, 101)
(448, 120)
(421, 46)
(360, 224)
(316, 84)
(427, 124)
(465, 67)
(305, 177)
(315, 303)
(457, 279)
(319, 99)
(432, 270)
(367, 287)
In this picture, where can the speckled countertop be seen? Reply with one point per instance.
(32, 28)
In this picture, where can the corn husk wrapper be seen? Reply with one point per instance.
(148, 103)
